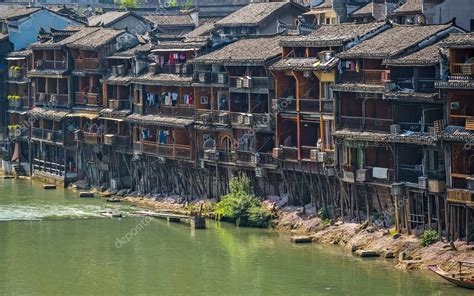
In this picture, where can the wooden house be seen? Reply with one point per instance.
(457, 89)
(304, 104)
(387, 148)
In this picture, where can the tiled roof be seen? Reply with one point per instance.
(130, 53)
(333, 35)
(180, 45)
(410, 7)
(96, 39)
(245, 51)
(363, 11)
(324, 5)
(459, 40)
(10, 13)
(107, 18)
(252, 14)
(163, 79)
(77, 35)
(48, 114)
(202, 30)
(159, 120)
(171, 20)
(424, 57)
(394, 41)
(303, 64)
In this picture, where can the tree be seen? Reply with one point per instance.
(127, 4)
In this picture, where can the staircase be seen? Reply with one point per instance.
(18, 170)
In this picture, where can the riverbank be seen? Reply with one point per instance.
(404, 250)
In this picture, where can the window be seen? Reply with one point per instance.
(472, 25)
(326, 92)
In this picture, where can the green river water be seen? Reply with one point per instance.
(53, 243)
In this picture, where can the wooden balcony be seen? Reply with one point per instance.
(366, 76)
(17, 75)
(248, 84)
(47, 135)
(309, 105)
(118, 141)
(459, 69)
(460, 196)
(89, 99)
(93, 138)
(52, 100)
(284, 105)
(51, 65)
(177, 69)
(119, 104)
(87, 64)
(367, 124)
(246, 157)
(183, 152)
(23, 102)
(164, 150)
(290, 153)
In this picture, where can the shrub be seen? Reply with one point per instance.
(470, 236)
(258, 217)
(323, 213)
(429, 237)
(240, 202)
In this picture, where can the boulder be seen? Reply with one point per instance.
(367, 253)
(403, 256)
(301, 239)
(389, 254)
(396, 236)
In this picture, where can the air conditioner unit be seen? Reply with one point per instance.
(224, 118)
(79, 135)
(206, 118)
(397, 189)
(277, 153)
(121, 70)
(49, 136)
(423, 183)
(385, 76)
(260, 172)
(109, 140)
(221, 78)
(212, 155)
(241, 118)
(203, 77)
(54, 98)
(239, 83)
(313, 154)
(322, 156)
(248, 119)
(114, 71)
(153, 68)
(363, 175)
(395, 129)
(247, 82)
(436, 186)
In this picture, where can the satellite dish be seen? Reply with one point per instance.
(71, 128)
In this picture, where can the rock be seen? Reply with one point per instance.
(370, 229)
(403, 256)
(396, 236)
(49, 186)
(364, 225)
(301, 239)
(338, 223)
(409, 264)
(353, 248)
(86, 194)
(389, 255)
(367, 253)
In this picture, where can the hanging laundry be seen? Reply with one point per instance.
(174, 98)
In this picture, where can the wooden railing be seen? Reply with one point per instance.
(378, 124)
(52, 100)
(183, 151)
(87, 64)
(366, 76)
(23, 102)
(47, 135)
(351, 122)
(53, 65)
(17, 75)
(48, 167)
(290, 153)
(309, 105)
(91, 99)
(462, 69)
(92, 138)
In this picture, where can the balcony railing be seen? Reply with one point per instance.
(52, 65)
(91, 64)
(23, 102)
(378, 124)
(284, 105)
(462, 69)
(118, 141)
(350, 122)
(17, 75)
(366, 76)
(266, 159)
(244, 83)
(47, 135)
(49, 167)
(178, 69)
(290, 153)
(119, 104)
(246, 157)
(183, 151)
(409, 173)
(93, 138)
(309, 105)
(52, 100)
(90, 99)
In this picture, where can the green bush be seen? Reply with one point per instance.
(258, 217)
(323, 213)
(240, 202)
(429, 237)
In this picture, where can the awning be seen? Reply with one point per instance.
(159, 120)
(15, 58)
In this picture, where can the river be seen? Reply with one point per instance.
(53, 243)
